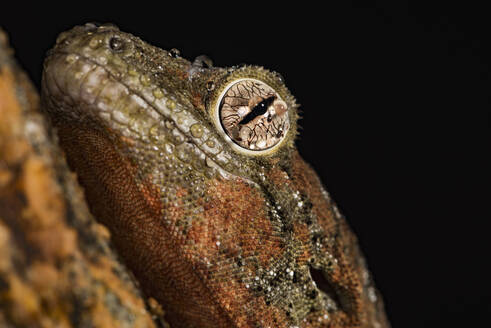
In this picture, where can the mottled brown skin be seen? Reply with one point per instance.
(219, 236)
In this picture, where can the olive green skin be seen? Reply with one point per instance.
(219, 236)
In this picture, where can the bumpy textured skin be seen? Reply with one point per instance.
(219, 237)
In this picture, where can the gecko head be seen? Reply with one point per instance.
(237, 119)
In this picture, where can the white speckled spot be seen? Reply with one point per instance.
(92, 84)
(372, 295)
(71, 58)
(120, 117)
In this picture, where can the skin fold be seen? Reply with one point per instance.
(220, 235)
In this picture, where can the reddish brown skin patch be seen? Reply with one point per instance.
(132, 212)
(301, 232)
(236, 217)
(238, 213)
(279, 177)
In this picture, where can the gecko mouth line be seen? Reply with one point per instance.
(258, 110)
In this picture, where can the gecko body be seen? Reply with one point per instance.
(194, 170)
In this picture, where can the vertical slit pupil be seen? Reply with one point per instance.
(259, 109)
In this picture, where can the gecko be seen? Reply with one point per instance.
(194, 170)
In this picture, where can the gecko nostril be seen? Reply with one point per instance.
(116, 44)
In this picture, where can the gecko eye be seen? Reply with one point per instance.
(253, 114)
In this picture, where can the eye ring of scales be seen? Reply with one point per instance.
(219, 235)
(253, 115)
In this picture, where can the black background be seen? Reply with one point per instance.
(395, 121)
